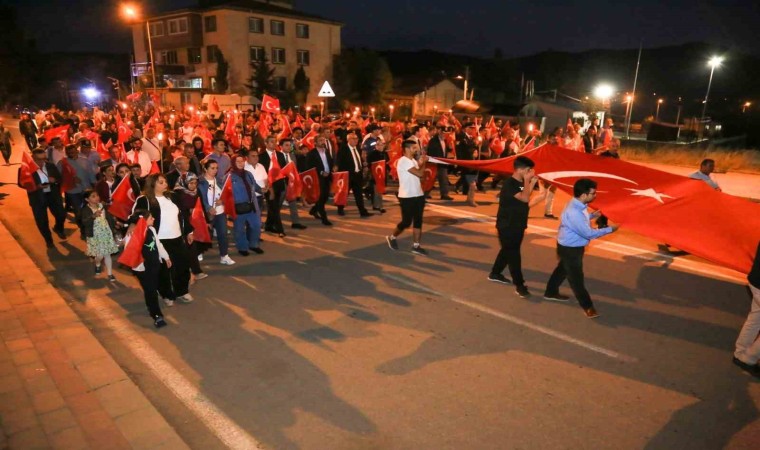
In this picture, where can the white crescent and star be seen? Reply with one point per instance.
(650, 192)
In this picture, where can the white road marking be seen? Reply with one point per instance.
(516, 320)
(250, 285)
(204, 409)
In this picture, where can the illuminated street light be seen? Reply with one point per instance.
(714, 62)
(91, 93)
(604, 92)
(745, 106)
(657, 114)
(390, 116)
(132, 14)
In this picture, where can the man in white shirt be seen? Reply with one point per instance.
(705, 169)
(138, 156)
(410, 195)
(259, 173)
(151, 145)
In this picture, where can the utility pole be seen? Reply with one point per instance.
(633, 94)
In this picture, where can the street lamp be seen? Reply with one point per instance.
(628, 108)
(132, 14)
(390, 116)
(466, 79)
(321, 110)
(604, 92)
(657, 114)
(714, 62)
(745, 106)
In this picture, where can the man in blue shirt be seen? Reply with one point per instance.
(574, 234)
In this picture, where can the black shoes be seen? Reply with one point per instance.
(326, 222)
(381, 210)
(522, 291)
(257, 250)
(447, 198)
(159, 322)
(365, 213)
(419, 250)
(550, 216)
(341, 212)
(391, 242)
(499, 278)
(244, 252)
(557, 297)
(752, 369)
(298, 226)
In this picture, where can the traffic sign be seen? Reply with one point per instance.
(326, 91)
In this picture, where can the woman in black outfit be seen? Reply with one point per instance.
(175, 232)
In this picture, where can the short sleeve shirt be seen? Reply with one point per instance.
(513, 213)
(409, 185)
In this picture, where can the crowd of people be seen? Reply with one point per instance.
(174, 161)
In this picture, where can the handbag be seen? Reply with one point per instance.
(243, 208)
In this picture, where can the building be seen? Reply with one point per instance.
(185, 44)
(420, 98)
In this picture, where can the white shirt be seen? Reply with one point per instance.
(214, 194)
(323, 155)
(42, 172)
(152, 148)
(259, 174)
(143, 159)
(357, 158)
(170, 228)
(698, 175)
(409, 185)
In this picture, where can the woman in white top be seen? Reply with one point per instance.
(175, 232)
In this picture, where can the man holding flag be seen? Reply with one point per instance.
(410, 195)
(41, 180)
(320, 160)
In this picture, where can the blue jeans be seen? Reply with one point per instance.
(219, 222)
(247, 229)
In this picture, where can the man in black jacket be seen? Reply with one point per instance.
(276, 194)
(349, 159)
(47, 196)
(321, 160)
(29, 130)
(437, 149)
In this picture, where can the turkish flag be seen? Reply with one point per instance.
(491, 127)
(309, 185)
(123, 130)
(58, 132)
(428, 181)
(103, 148)
(214, 105)
(340, 188)
(286, 131)
(308, 140)
(270, 104)
(227, 198)
(262, 128)
(685, 213)
(298, 122)
(294, 182)
(134, 97)
(122, 199)
(28, 167)
(68, 175)
(132, 255)
(378, 174)
(198, 221)
(394, 154)
(497, 146)
(229, 132)
(154, 168)
(275, 171)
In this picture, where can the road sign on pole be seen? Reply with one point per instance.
(326, 91)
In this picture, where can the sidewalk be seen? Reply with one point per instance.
(59, 388)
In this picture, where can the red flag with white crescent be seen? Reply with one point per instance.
(132, 255)
(294, 182)
(227, 198)
(428, 181)
(123, 130)
(298, 122)
(270, 104)
(309, 185)
(286, 131)
(378, 174)
(28, 167)
(308, 140)
(58, 132)
(198, 221)
(340, 188)
(122, 199)
(68, 175)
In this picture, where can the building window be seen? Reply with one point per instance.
(156, 29)
(302, 30)
(281, 83)
(177, 26)
(192, 83)
(257, 54)
(278, 56)
(169, 57)
(277, 27)
(303, 57)
(211, 53)
(209, 24)
(255, 25)
(193, 55)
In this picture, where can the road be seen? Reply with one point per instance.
(330, 340)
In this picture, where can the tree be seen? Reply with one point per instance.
(301, 85)
(222, 71)
(262, 80)
(362, 77)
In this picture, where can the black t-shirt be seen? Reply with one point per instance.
(513, 213)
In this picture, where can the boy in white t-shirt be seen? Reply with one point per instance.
(410, 195)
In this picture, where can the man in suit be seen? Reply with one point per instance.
(277, 191)
(437, 149)
(179, 174)
(349, 160)
(46, 197)
(320, 159)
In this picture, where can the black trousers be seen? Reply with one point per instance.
(274, 205)
(31, 141)
(510, 240)
(412, 209)
(149, 280)
(324, 193)
(570, 267)
(355, 185)
(41, 202)
(195, 265)
(175, 281)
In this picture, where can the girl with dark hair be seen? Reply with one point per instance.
(98, 226)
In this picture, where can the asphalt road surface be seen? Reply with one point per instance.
(330, 340)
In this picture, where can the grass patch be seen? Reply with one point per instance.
(725, 160)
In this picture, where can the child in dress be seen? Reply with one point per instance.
(98, 225)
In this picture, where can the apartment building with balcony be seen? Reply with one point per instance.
(185, 42)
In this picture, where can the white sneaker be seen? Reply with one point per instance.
(168, 302)
(187, 298)
(226, 260)
(200, 257)
(201, 276)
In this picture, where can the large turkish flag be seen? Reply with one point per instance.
(340, 188)
(378, 174)
(685, 213)
(309, 185)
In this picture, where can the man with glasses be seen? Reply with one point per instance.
(574, 235)
(47, 179)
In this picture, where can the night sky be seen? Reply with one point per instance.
(475, 28)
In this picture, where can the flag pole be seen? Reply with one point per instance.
(633, 94)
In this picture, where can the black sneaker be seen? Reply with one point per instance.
(98, 270)
(550, 216)
(499, 278)
(557, 298)
(298, 226)
(159, 322)
(112, 278)
(244, 252)
(419, 251)
(522, 291)
(257, 250)
(391, 242)
(752, 369)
